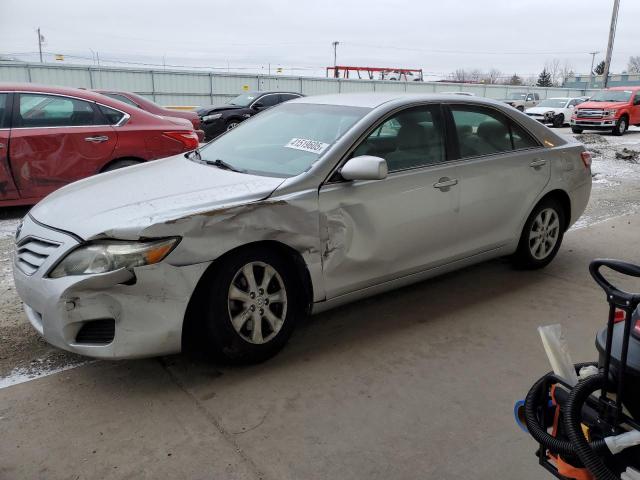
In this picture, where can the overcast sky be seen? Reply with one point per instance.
(437, 36)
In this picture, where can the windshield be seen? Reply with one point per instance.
(283, 141)
(517, 96)
(554, 102)
(243, 100)
(611, 96)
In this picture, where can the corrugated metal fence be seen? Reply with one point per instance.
(177, 87)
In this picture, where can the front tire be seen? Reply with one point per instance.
(231, 124)
(621, 126)
(541, 236)
(251, 306)
(558, 120)
(520, 107)
(577, 130)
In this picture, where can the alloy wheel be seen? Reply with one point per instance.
(232, 125)
(544, 234)
(257, 302)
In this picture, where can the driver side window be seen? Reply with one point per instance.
(410, 139)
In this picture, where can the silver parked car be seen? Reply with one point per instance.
(314, 203)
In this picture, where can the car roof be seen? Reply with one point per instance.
(70, 91)
(373, 100)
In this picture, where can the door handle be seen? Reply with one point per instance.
(538, 163)
(444, 183)
(1, 146)
(98, 139)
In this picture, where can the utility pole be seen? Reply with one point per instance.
(335, 58)
(612, 36)
(593, 58)
(40, 39)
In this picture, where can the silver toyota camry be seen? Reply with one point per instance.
(311, 204)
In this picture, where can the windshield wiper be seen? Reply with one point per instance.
(223, 165)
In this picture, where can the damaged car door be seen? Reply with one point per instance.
(379, 230)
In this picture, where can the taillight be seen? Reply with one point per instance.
(619, 316)
(637, 327)
(188, 139)
(586, 159)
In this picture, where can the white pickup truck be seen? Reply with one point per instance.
(522, 100)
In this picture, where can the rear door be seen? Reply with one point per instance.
(8, 190)
(503, 169)
(56, 140)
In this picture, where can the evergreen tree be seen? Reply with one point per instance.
(599, 70)
(544, 79)
(515, 80)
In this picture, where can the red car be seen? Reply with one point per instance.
(139, 101)
(613, 109)
(51, 136)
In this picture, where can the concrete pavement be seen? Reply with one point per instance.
(417, 383)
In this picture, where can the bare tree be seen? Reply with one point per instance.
(553, 69)
(460, 75)
(565, 72)
(475, 75)
(634, 64)
(493, 76)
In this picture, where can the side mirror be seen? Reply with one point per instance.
(365, 167)
(257, 106)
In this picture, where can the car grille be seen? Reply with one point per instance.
(586, 113)
(97, 332)
(32, 252)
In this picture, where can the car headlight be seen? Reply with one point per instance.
(108, 255)
(610, 113)
(214, 116)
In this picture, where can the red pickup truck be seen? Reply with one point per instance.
(612, 109)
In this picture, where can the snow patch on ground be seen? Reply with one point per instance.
(38, 369)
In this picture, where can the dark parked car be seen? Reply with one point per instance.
(149, 106)
(52, 136)
(217, 120)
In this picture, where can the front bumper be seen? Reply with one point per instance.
(603, 123)
(147, 305)
(213, 129)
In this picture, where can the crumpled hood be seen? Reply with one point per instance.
(211, 109)
(122, 203)
(542, 110)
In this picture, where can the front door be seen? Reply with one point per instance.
(377, 230)
(8, 190)
(56, 140)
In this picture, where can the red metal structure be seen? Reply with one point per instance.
(343, 71)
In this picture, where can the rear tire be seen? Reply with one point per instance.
(577, 130)
(120, 164)
(232, 303)
(621, 126)
(541, 236)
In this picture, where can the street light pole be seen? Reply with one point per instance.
(593, 58)
(40, 44)
(335, 58)
(612, 36)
